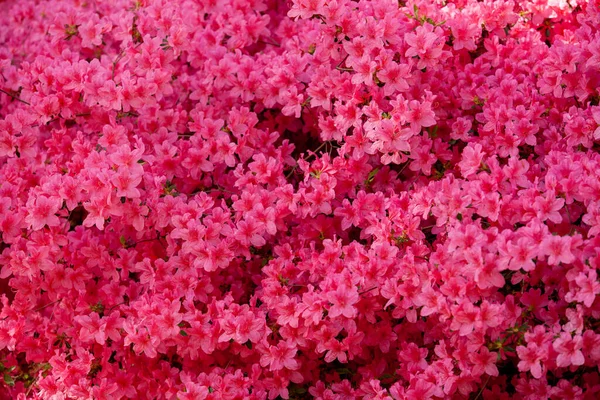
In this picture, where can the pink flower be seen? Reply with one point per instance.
(530, 360)
(292, 101)
(250, 232)
(142, 341)
(472, 156)
(363, 70)
(229, 199)
(92, 327)
(420, 389)
(306, 8)
(426, 44)
(248, 327)
(588, 288)
(280, 356)
(342, 301)
(558, 249)
(487, 273)
(547, 207)
(464, 33)
(569, 350)
(522, 254)
(126, 183)
(484, 362)
(596, 116)
(420, 115)
(395, 77)
(90, 33)
(42, 211)
(465, 317)
(414, 357)
(98, 211)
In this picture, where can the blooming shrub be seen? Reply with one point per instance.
(259, 199)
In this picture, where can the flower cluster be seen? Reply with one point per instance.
(261, 199)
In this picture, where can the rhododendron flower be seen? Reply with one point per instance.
(587, 290)
(42, 212)
(465, 317)
(343, 300)
(420, 115)
(472, 156)
(569, 350)
(426, 44)
(142, 342)
(126, 184)
(530, 360)
(464, 33)
(558, 249)
(279, 357)
(523, 255)
(247, 199)
(248, 327)
(596, 116)
(92, 327)
(306, 8)
(484, 361)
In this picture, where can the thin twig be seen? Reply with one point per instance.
(484, 385)
(402, 169)
(268, 42)
(146, 240)
(15, 97)
(30, 387)
(119, 57)
(314, 152)
(47, 305)
(343, 61)
(367, 290)
(116, 305)
(287, 176)
(69, 119)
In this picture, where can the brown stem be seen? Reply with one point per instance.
(14, 97)
(47, 305)
(367, 290)
(272, 43)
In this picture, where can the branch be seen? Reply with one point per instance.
(14, 97)
(271, 42)
(47, 305)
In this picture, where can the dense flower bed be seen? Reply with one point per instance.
(329, 199)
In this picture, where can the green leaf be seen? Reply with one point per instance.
(372, 175)
(344, 371)
(10, 381)
(183, 333)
